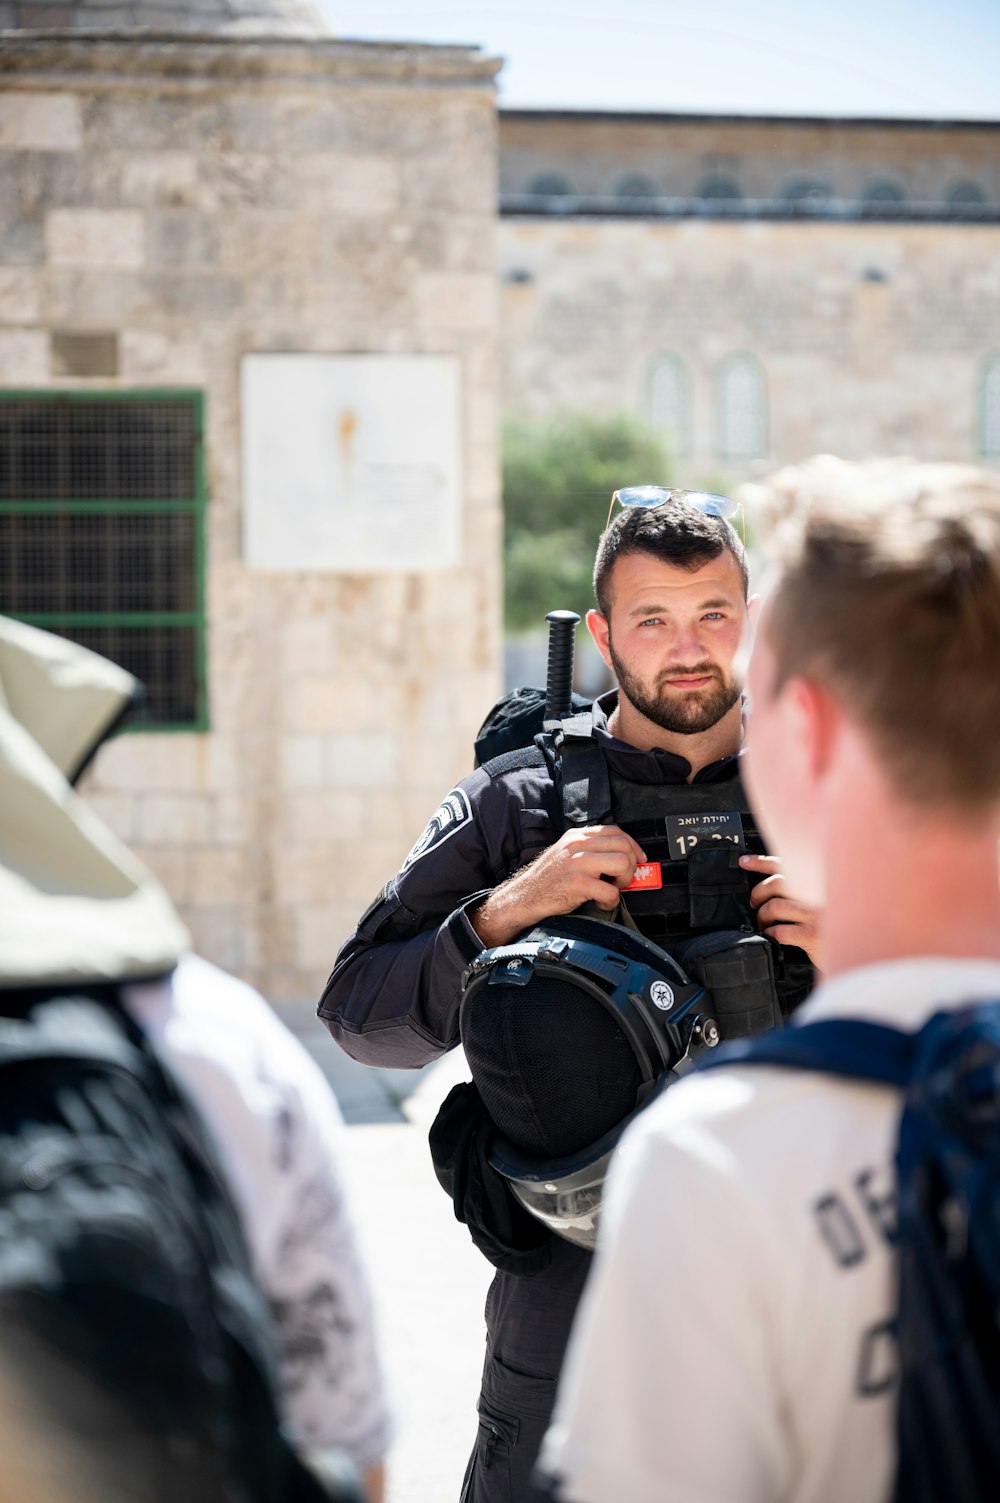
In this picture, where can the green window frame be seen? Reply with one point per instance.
(102, 534)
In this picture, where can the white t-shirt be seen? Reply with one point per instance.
(733, 1343)
(280, 1137)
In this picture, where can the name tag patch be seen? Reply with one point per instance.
(647, 878)
(685, 831)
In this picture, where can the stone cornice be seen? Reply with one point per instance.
(667, 118)
(125, 59)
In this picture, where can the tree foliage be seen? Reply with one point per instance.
(558, 476)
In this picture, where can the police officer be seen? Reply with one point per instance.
(647, 804)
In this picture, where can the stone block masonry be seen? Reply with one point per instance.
(181, 203)
(869, 338)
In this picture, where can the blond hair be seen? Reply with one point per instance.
(888, 593)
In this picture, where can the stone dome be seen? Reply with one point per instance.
(235, 18)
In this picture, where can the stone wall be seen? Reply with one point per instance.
(871, 339)
(178, 204)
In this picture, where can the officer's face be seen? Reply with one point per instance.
(671, 636)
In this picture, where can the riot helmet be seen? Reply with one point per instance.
(568, 1032)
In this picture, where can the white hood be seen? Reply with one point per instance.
(75, 904)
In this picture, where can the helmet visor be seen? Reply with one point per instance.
(570, 1210)
(564, 1194)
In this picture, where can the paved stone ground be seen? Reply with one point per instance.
(428, 1280)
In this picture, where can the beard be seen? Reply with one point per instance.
(683, 711)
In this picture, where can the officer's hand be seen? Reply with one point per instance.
(559, 880)
(781, 916)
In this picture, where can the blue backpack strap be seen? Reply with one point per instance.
(841, 1046)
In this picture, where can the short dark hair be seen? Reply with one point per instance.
(675, 531)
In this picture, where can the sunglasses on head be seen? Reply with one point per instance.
(648, 496)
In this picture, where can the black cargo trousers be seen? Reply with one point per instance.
(528, 1321)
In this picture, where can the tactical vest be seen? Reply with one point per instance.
(693, 835)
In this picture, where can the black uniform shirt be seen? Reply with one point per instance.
(393, 996)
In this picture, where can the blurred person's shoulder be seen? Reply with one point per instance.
(271, 1112)
(204, 1010)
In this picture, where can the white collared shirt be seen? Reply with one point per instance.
(733, 1343)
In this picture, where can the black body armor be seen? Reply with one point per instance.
(695, 901)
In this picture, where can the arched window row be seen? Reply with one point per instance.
(802, 192)
(741, 409)
(741, 420)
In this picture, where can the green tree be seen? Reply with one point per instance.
(558, 476)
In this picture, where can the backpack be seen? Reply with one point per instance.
(947, 1235)
(126, 1288)
(514, 722)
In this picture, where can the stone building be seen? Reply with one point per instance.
(228, 239)
(758, 289)
(253, 354)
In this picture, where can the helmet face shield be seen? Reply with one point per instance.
(571, 1213)
(565, 1196)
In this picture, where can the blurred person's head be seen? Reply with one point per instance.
(91, 1384)
(877, 658)
(34, 1465)
(671, 588)
(66, 1436)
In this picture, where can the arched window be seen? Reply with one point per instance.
(668, 402)
(716, 185)
(636, 185)
(550, 185)
(805, 193)
(883, 193)
(741, 408)
(989, 408)
(965, 194)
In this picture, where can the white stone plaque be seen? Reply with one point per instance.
(351, 463)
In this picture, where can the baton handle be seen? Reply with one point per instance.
(559, 676)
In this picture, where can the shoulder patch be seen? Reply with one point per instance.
(454, 812)
(523, 756)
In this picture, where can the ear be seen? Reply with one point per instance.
(817, 719)
(599, 629)
(753, 606)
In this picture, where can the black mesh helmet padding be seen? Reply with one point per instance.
(553, 1067)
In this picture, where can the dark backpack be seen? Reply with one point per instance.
(126, 1290)
(514, 722)
(947, 1235)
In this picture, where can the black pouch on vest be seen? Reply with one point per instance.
(737, 969)
(718, 889)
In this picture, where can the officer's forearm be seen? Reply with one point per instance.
(504, 915)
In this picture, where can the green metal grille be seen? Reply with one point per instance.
(102, 534)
